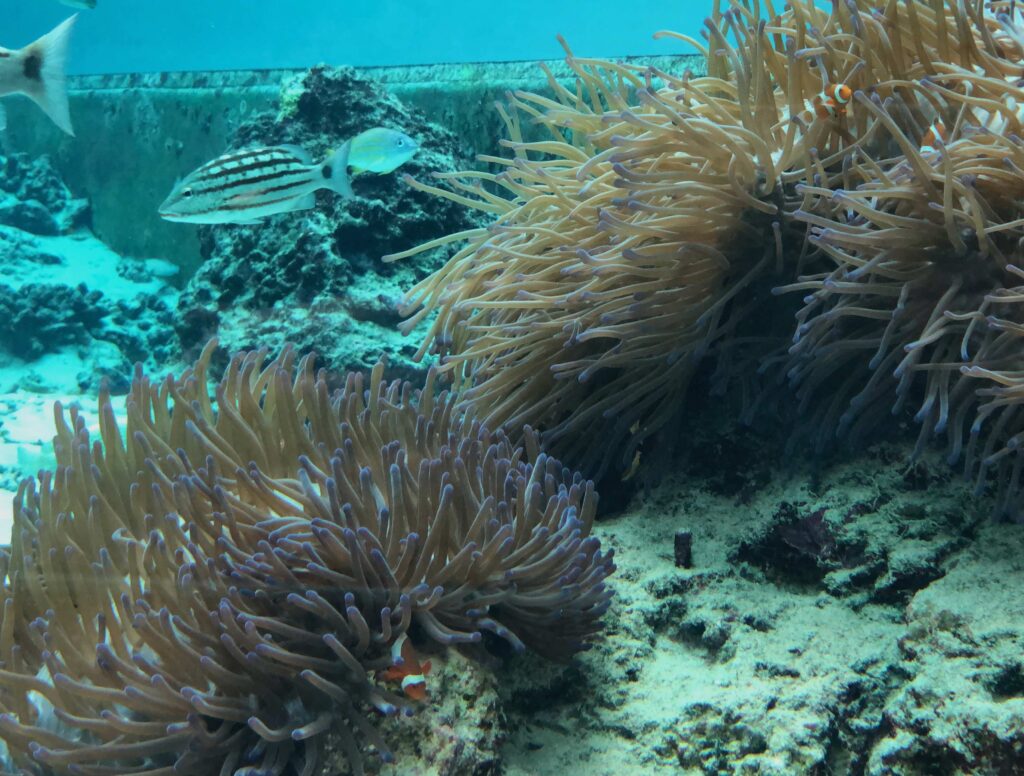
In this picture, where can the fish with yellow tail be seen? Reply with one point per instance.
(245, 186)
(37, 71)
(380, 150)
(407, 669)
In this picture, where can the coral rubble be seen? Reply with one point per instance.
(63, 294)
(847, 617)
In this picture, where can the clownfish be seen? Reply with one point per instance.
(936, 131)
(407, 669)
(831, 101)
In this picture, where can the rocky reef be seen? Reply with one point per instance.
(73, 313)
(64, 296)
(315, 278)
(34, 199)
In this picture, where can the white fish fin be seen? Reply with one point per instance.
(305, 202)
(44, 79)
(244, 199)
(299, 152)
(335, 171)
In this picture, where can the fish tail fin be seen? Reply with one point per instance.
(336, 171)
(43, 69)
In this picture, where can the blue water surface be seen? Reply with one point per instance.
(171, 35)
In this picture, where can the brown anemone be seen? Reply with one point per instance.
(211, 591)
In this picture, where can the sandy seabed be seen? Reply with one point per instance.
(858, 617)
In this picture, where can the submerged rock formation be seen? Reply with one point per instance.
(315, 277)
(71, 310)
(33, 198)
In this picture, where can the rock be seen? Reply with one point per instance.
(315, 278)
(72, 312)
(29, 216)
(16, 246)
(35, 181)
(40, 318)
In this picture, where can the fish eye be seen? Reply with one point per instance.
(186, 192)
(400, 142)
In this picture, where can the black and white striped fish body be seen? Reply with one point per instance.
(246, 186)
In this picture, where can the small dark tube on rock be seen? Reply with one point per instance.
(684, 550)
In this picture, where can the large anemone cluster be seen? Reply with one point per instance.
(865, 155)
(215, 589)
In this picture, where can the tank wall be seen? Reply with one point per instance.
(135, 135)
(129, 36)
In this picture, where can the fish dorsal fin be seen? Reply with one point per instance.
(298, 152)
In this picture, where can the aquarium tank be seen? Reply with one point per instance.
(534, 389)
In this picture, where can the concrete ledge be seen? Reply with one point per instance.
(137, 133)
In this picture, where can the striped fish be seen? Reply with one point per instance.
(245, 186)
(831, 102)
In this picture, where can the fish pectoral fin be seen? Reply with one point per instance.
(244, 199)
(3, 119)
(305, 202)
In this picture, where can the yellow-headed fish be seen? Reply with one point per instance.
(380, 150)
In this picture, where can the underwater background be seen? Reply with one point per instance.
(235, 34)
(459, 389)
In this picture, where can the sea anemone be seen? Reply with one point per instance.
(921, 234)
(620, 243)
(213, 591)
(629, 247)
(996, 440)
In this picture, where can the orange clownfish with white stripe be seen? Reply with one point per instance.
(407, 669)
(831, 102)
(935, 133)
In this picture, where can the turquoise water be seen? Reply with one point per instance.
(128, 37)
(376, 400)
